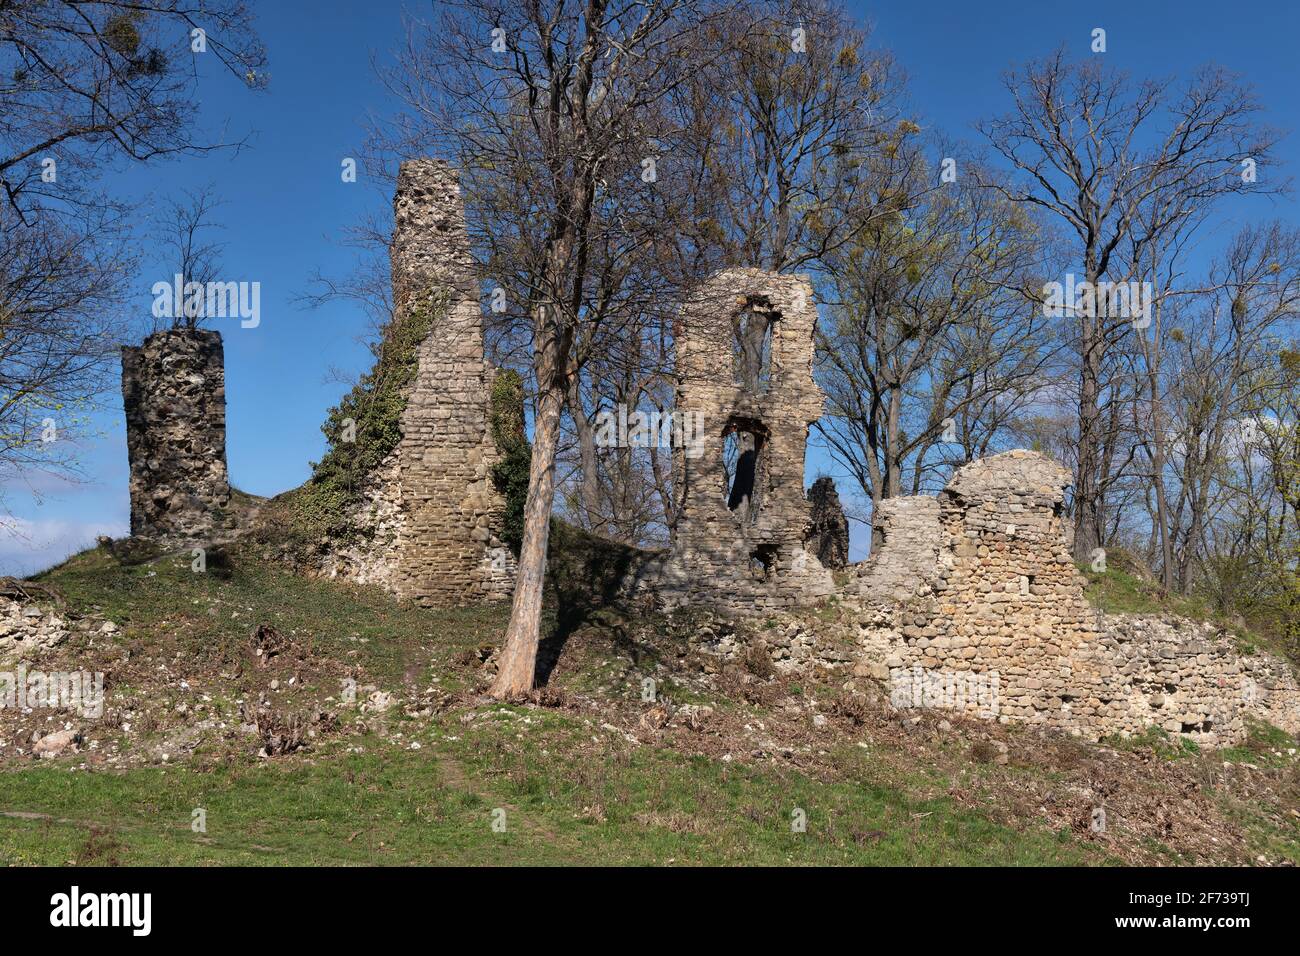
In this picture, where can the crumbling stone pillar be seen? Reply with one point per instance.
(174, 395)
(1010, 598)
(828, 531)
(432, 514)
(905, 552)
(744, 361)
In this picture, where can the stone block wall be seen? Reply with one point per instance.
(998, 625)
(27, 628)
(174, 395)
(742, 549)
(828, 528)
(905, 555)
(431, 509)
(1185, 677)
(1010, 598)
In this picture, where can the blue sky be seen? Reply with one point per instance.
(287, 210)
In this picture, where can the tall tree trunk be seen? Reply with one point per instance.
(590, 487)
(518, 664)
(1087, 490)
(893, 443)
(1168, 574)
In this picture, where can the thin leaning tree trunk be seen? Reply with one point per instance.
(518, 665)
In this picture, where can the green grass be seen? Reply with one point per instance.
(436, 805)
(571, 791)
(209, 616)
(1158, 740)
(1265, 746)
(1120, 591)
(367, 797)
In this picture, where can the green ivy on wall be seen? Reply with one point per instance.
(510, 474)
(370, 415)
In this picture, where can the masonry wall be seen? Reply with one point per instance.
(751, 557)
(431, 509)
(905, 555)
(174, 396)
(1000, 627)
(828, 529)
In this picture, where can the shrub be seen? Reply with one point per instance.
(510, 474)
(373, 409)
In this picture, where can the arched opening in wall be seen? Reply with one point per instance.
(744, 466)
(753, 326)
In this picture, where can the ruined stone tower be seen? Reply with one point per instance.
(174, 395)
(972, 602)
(431, 508)
(1010, 597)
(744, 361)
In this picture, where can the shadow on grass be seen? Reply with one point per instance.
(587, 586)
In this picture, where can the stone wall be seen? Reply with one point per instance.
(431, 513)
(1186, 677)
(905, 554)
(27, 628)
(744, 363)
(998, 625)
(828, 529)
(174, 395)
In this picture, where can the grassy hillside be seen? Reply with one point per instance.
(1126, 587)
(715, 770)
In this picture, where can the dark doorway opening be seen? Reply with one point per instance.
(744, 444)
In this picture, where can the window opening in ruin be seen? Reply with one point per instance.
(753, 345)
(762, 561)
(743, 464)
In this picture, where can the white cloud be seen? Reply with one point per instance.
(28, 546)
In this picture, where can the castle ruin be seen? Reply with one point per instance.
(174, 396)
(970, 600)
(744, 363)
(431, 512)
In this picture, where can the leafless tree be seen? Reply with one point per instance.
(183, 231)
(59, 286)
(1206, 371)
(84, 83)
(550, 111)
(934, 344)
(87, 80)
(1121, 166)
(781, 128)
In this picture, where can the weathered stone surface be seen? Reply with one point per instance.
(1185, 677)
(741, 548)
(789, 643)
(27, 628)
(828, 529)
(52, 745)
(431, 512)
(905, 554)
(1001, 610)
(174, 395)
